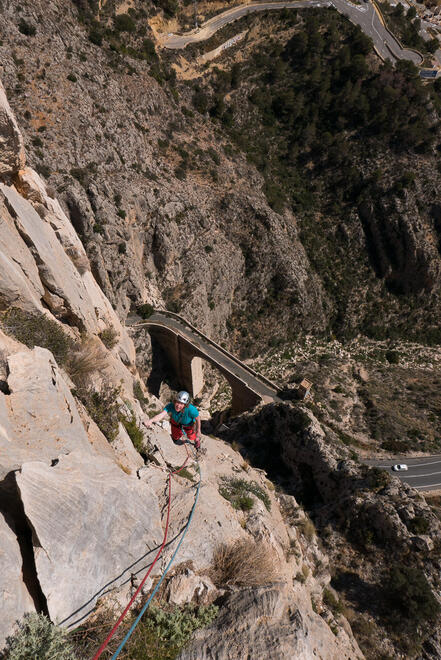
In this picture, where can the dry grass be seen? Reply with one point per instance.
(88, 358)
(80, 261)
(244, 562)
(307, 528)
(109, 337)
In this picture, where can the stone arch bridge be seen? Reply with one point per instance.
(186, 347)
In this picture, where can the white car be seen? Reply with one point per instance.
(400, 467)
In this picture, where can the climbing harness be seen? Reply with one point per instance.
(164, 541)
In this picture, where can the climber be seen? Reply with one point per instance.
(183, 417)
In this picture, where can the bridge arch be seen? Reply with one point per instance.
(186, 348)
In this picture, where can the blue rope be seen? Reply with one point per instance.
(138, 618)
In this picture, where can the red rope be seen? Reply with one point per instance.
(118, 623)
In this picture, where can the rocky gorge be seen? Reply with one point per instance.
(81, 517)
(301, 550)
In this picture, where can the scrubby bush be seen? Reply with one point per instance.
(109, 337)
(377, 478)
(36, 329)
(38, 638)
(409, 594)
(178, 625)
(88, 357)
(332, 602)
(103, 407)
(138, 393)
(145, 310)
(134, 432)
(237, 491)
(160, 635)
(124, 23)
(419, 525)
(393, 357)
(26, 28)
(245, 562)
(96, 37)
(307, 528)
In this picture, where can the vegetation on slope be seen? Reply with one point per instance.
(334, 133)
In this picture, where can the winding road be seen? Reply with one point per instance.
(424, 473)
(364, 15)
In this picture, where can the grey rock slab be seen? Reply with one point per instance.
(268, 626)
(56, 270)
(14, 597)
(20, 283)
(41, 419)
(126, 452)
(93, 527)
(12, 154)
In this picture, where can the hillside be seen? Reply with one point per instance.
(164, 180)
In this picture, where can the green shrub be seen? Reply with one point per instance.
(72, 77)
(138, 393)
(98, 228)
(124, 23)
(332, 602)
(377, 478)
(178, 625)
(109, 337)
(121, 213)
(38, 638)
(410, 595)
(103, 407)
(38, 330)
(419, 525)
(26, 28)
(237, 492)
(393, 357)
(135, 433)
(96, 36)
(145, 310)
(122, 248)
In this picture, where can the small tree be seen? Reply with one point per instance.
(409, 593)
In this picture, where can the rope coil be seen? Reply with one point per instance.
(164, 541)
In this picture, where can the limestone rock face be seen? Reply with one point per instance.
(262, 623)
(12, 154)
(39, 418)
(93, 527)
(14, 596)
(188, 588)
(42, 258)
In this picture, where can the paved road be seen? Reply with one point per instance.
(261, 386)
(424, 473)
(363, 15)
(369, 21)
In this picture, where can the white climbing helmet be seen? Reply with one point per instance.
(183, 397)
